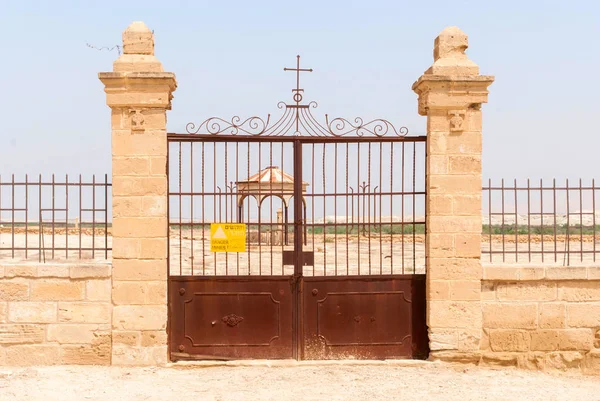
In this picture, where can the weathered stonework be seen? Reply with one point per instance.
(55, 314)
(450, 95)
(139, 93)
(539, 319)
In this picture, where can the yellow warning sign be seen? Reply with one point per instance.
(226, 237)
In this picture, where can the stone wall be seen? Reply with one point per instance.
(545, 318)
(55, 314)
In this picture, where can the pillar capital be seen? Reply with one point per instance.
(138, 79)
(453, 81)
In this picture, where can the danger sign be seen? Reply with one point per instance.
(226, 237)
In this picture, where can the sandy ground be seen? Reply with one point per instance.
(434, 381)
(359, 255)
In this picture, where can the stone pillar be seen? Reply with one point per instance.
(139, 93)
(450, 93)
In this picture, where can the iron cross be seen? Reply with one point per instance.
(298, 91)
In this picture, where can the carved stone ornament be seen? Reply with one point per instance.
(422, 107)
(137, 121)
(232, 319)
(456, 120)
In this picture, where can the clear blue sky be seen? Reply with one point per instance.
(541, 119)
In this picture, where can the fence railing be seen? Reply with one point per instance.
(541, 221)
(55, 218)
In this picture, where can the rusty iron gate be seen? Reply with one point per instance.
(333, 221)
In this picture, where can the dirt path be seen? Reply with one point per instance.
(423, 383)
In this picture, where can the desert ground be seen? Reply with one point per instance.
(333, 254)
(406, 381)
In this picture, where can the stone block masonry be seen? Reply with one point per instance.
(139, 94)
(545, 318)
(55, 314)
(451, 93)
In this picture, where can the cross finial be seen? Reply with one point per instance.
(298, 91)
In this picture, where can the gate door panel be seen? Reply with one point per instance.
(364, 318)
(226, 302)
(364, 295)
(231, 319)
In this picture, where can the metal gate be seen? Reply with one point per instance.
(332, 221)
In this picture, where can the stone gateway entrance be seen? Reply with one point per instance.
(345, 278)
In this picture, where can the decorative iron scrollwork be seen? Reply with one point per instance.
(232, 319)
(216, 125)
(297, 120)
(341, 127)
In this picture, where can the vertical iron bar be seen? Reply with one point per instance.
(554, 213)
(0, 208)
(179, 196)
(402, 195)
(168, 215)
(369, 203)
(26, 214)
(93, 215)
(192, 259)
(529, 219)
(594, 217)
(324, 218)
(358, 204)
(568, 236)
(502, 229)
(40, 224)
(215, 199)
(392, 208)
(66, 216)
(203, 221)
(580, 221)
(248, 209)
(226, 145)
(542, 215)
(516, 225)
(53, 205)
(271, 202)
(380, 226)
(12, 221)
(490, 217)
(335, 192)
(106, 216)
(284, 211)
(259, 211)
(298, 243)
(312, 201)
(80, 211)
(414, 184)
(347, 215)
(235, 199)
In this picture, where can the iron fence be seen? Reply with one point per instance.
(540, 221)
(55, 218)
(362, 204)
